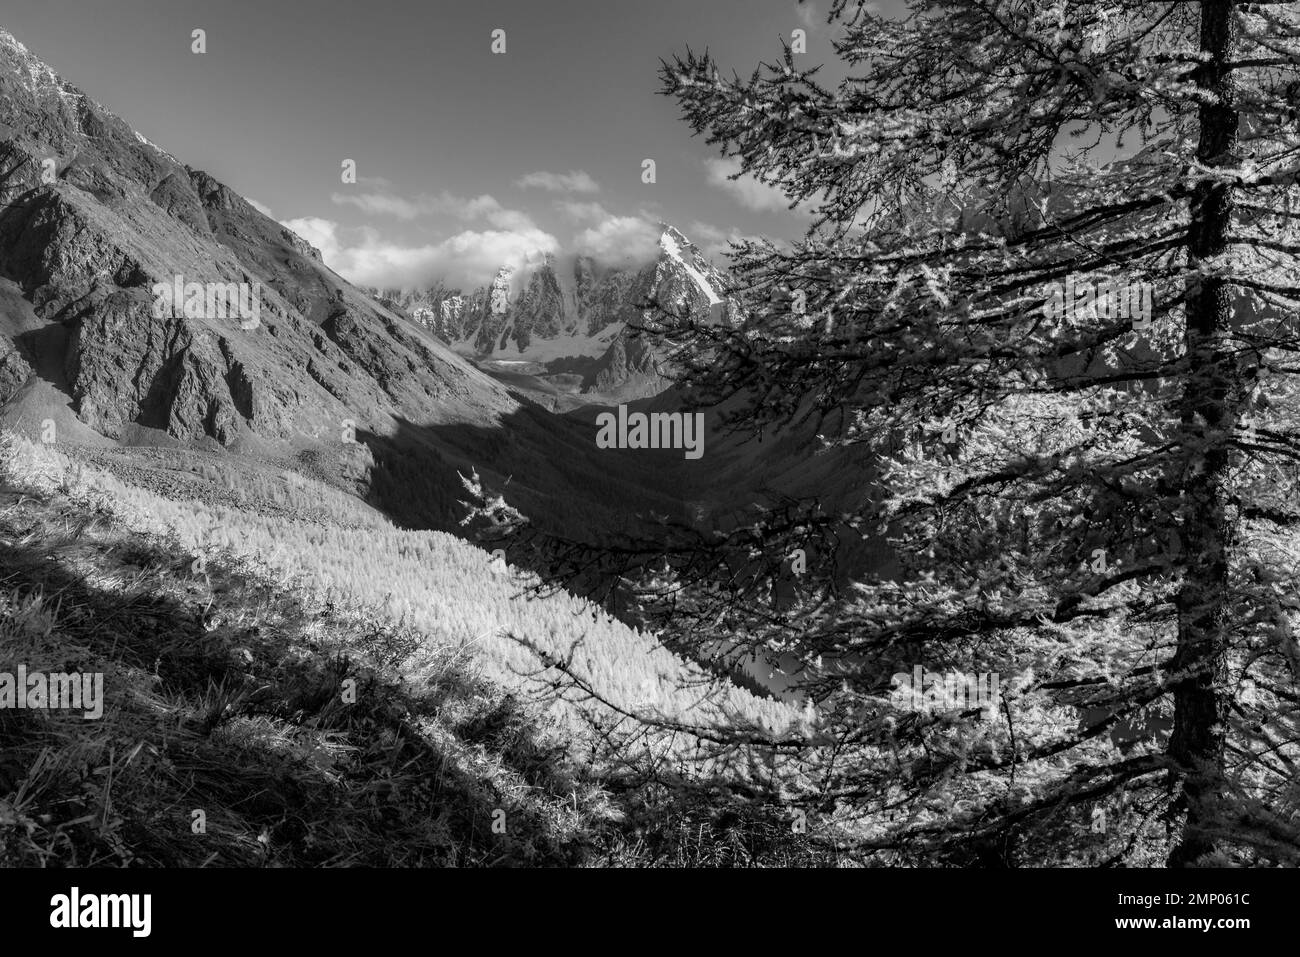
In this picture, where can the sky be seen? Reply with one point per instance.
(466, 160)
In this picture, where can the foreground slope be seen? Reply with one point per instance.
(234, 744)
(456, 597)
(272, 705)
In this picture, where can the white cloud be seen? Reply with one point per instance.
(619, 238)
(714, 243)
(484, 208)
(746, 190)
(382, 204)
(574, 181)
(467, 259)
(581, 212)
(473, 258)
(321, 233)
(260, 207)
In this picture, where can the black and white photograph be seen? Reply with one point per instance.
(837, 441)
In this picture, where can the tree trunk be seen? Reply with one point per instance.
(1212, 396)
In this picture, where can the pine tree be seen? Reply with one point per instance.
(1093, 500)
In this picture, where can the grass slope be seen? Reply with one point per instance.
(226, 695)
(340, 552)
(228, 692)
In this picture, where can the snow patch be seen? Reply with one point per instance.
(669, 244)
(155, 147)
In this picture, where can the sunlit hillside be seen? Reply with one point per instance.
(338, 551)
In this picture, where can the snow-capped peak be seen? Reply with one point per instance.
(674, 245)
(43, 83)
(40, 77)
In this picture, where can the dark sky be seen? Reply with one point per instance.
(466, 159)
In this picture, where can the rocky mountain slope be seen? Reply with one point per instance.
(576, 315)
(327, 382)
(96, 215)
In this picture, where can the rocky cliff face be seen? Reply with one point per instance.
(565, 309)
(97, 216)
(490, 309)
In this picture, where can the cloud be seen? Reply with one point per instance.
(574, 181)
(816, 22)
(611, 238)
(473, 258)
(714, 243)
(619, 238)
(746, 190)
(581, 212)
(383, 204)
(321, 233)
(484, 208)
(467, 259)
(260, 207)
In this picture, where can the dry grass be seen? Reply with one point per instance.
(228, 692)
(226, 695)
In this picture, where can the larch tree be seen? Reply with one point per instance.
(1048, 311)
(1060, 237)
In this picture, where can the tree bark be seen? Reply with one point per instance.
(1212, 396)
